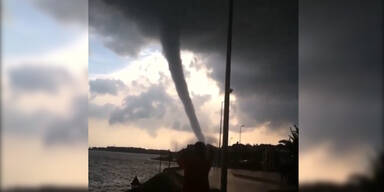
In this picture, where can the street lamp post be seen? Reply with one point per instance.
(240, 134)
(221, 120)
(224, 158)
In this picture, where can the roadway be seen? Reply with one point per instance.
(244, 180)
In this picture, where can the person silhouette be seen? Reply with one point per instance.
(135, 183)
(196, 164)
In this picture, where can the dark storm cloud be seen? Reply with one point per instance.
(265, 48)
(72, 129)
(103, 18)
(341, 73)
(105, 86)
(38, 78)
(68, 11)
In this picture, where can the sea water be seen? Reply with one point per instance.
(114, 171)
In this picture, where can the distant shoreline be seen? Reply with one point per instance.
(131, 150)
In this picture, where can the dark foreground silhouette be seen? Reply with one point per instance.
(196, 163)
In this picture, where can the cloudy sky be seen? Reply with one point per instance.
(292, 63)
(340, 87)
(44, 94)
(133, 98)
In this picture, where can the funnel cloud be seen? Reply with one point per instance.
(162, 23)
(170, 41)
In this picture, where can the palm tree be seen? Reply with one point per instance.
(292, 146)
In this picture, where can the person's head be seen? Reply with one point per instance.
(200, 149)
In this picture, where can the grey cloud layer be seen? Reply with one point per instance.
(150, 104)
(53, 128)
(100, 111)
(72, 129)
(150, 110)
(68, 11)
(38, 78)
(105, 86)
(15, 121)
(341, 74)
